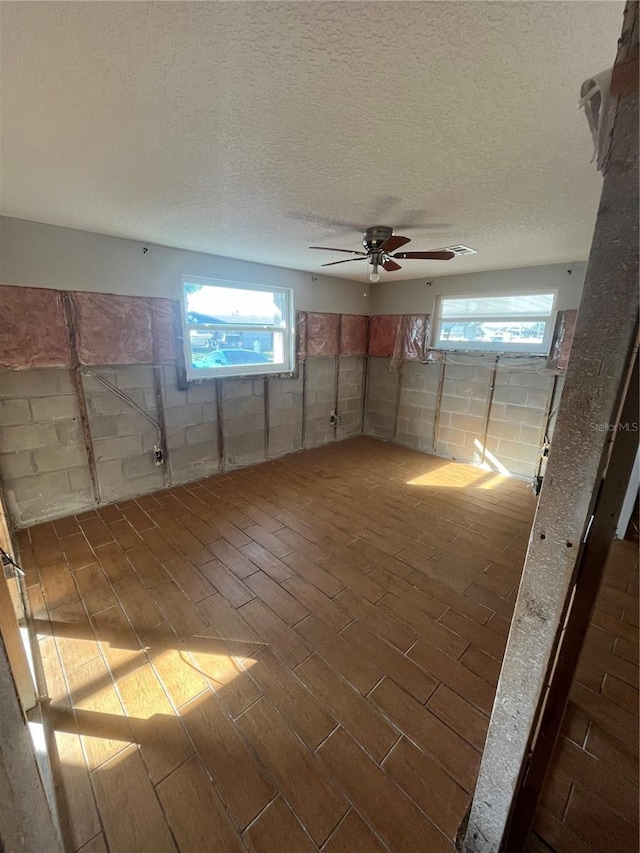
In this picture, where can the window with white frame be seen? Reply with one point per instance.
(236, 329)
(516, 322)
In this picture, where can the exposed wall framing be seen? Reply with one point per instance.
(570, 521)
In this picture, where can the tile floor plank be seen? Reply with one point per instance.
(132, 816)
(276, 830)
(243, 785)
(395, 818)
(318, 805)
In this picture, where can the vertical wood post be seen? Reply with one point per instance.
(602, 348)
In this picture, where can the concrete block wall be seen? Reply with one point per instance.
(285, 415)
(243, 422)
(519, 410)
(418, 403)
(44, 464)
(463, 407)
(43, 459)
(123, 439)
(191, 419)
(457, 416)
(382, 399)
(350, 393)
(320, 399)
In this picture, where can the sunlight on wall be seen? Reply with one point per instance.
(495, 463)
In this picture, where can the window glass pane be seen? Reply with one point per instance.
(536, 304)
(207, 303)
(212, 350)
(511, 332)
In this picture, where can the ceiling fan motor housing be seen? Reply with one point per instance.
(375, 236)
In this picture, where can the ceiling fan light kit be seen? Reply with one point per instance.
(379, 243)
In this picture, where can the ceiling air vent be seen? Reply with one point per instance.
(461, 250)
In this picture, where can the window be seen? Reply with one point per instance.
(514, 323)
(236, 329)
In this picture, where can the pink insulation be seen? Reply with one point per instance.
(354, 334)
(383, 330)
(323, 334)
(34, 330)
(162, 315)
(113, 329)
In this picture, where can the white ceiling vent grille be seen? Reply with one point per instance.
(461, 250)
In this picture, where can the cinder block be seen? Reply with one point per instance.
(450, 435)
(176, 437)
(510, 394)
(173, 398)
(537, 398)
(132, 376)
(80, 480)
(117, 447)
(48, 485)
(196, 471)
(59, 458)
(16, 465)
(202, 393)
(517, 450)
(529, 380)
(13, 412)
(193, 455)
(106, 403)
(41, 382)
(523, 415)
(449, 403)
(103, 426)
(468, 423)
(131, 423)
(531, 435)
(505, 429)
(141, 466)
(53, 408)
(29, 437)
(69, 431)
(200, 433)
(184, 415)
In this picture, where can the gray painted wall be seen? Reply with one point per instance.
(38, 255)
(417, 296)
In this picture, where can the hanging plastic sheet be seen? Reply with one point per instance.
(594, 100)
(412, 338)
(562, 340)
(301, 335)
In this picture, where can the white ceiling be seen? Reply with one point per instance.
(253, 130)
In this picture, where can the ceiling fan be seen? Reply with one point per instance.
(379, 242)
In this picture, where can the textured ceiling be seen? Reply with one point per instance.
(254, 130)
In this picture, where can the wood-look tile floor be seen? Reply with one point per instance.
(291, 657)
(590, 800)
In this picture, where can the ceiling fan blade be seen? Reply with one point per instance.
(425, 256)
(394, 242)
(333, 263)
(391, 266)
(347, 251)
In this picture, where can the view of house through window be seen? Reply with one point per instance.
(513, 323)
(236, 329)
